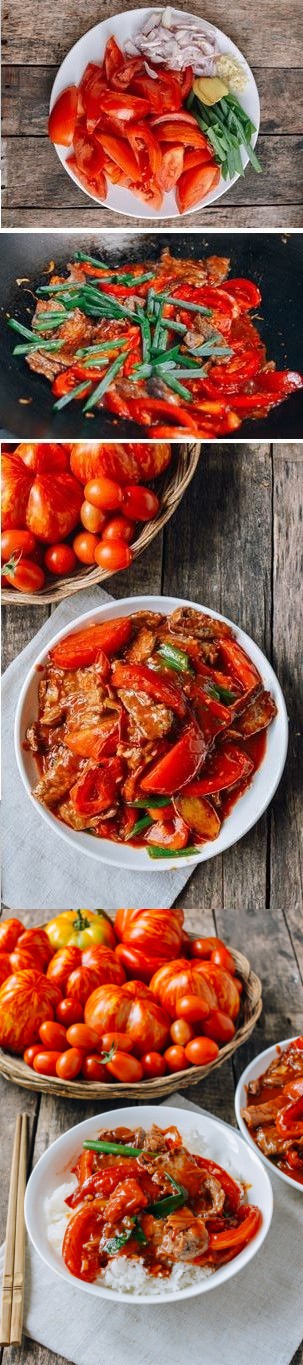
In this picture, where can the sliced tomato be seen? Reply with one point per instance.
(64, 383)
(172, 834)
(229, 766)
(62, 118)
(152, 91)
(113, 58)
(187, 132)
(146, 148)
(245, 292)
(88, 645)
(93, 186)
(122, 107)
(195, 185)
(96, 790)
(171, 167)
(279, 383)
(88, 154)
(201, 157)
(237, 371)
(119, 151)
(122, 79)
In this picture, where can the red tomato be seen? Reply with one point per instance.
(26, 999)
(157, 932)
(17, 543)
(191, 1008)
(10, 931)
(172, 167)
(60, 559)
(204, 947)
(195, 184)
(138, 964)
(22, 960)
(125, 463)
(36, 941)
(125, 1068)
(45, 1063)
(53, 507)
(153, 1065)
(83, 648)
(181, 1032)
(104, 493)
(224, 985)
(24, 575)
(81, 983)
(113, 555)
(69, 1012)
(92, 518)
(93, 1069)
(119, 528)
(219, 1027)
(246, 293)
(81, 1035)
(30, 1053)
(176, 1058)
(62, 119)
(47, 457)
(53, 1035)
(132, 1009)
(69, 1064)
(140, 503)
(223, 958)
(6, 966)
(180, 978)
(16, 482)
(85, 545)
(121, 1041)
(201, 1051)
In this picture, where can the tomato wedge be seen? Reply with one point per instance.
(228, 766)
(84, 647)
(141, 678)
(179, 765)
(113, 58)
(195, 185)
(171, 167)
(62, 118)
(120, 151)
(245, 292)
(96, 789)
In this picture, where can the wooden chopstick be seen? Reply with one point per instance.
(13, 1276)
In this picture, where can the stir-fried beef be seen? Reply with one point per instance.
(62, 769)
(154, 721)
(257, 1114)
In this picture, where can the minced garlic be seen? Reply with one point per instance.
(231, 71)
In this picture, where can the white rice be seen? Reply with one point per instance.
(124, 1273)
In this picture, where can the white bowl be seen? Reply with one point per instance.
(90, 48)
(222, 1144)
(251, 1072)
(246, 811)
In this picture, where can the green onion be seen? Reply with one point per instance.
(68, 397)
(101, 346)
(154, 851)
(146, 333)
(163, 1207)
(175, 658)
(18, 327)
(91, 260)
(178, 388)
(219, 693)
(158, 328)
(104, 383)
(46, 321)
(154, 802)
(183, 303)
(176, 326)
(114, 1148)
(115, 1244)
(162, 357)
(210, 348)
(37, 346)
(140, 825)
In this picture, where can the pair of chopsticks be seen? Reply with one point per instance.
(13, 1276)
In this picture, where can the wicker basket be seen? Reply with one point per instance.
(251, 1004)
(172, 487)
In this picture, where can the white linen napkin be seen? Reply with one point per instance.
(39, 868)
(257, 1316)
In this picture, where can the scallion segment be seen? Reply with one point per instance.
(175, 658)
(105, 383)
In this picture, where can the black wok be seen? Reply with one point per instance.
(275, 262)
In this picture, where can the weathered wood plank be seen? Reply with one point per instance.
(26, 91)
(286, 822)
(224, 217)
(271, 40)
(18, 627)
(33, 176)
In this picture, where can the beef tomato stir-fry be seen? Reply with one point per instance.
(144, 1195)
(150, 727)
(170, 346)
(274, 1110)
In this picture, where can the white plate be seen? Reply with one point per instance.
(91, 48)
(253, 1070)
(222, 1144)
(246, 811)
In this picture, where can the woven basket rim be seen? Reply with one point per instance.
(16, 1070)
(174, 484)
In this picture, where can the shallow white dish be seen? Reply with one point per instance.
(248, 808)
(251, 1072)
(222, 1144)
(90, 48)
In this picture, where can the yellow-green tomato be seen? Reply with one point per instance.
(81, 927)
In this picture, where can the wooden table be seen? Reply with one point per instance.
(233, 544)
(282, 1015)
(36, 190)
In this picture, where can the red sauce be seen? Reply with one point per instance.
(292, 1061)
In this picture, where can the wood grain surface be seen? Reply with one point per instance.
(283, 1003)
(36, 190)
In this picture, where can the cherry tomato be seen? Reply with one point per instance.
(125, 1068)
(113, 555)
(45, 1062)
(92, 518)
(17, 543)
(119, 528)
(219, 1027)
(153, 1065)
(191, 1008)
(69, 1012)
(24, 575)
(81, 1035)
(140, 503)
(60, 559)
(93, 1069)
(53, 1035)
(85, 545)
(176, 1058)
(181, 1032)
(223, 958)
(69, 1063)
(201, 1051)
(204, 947)
(122, 1041)
(104, 493)
(30, 1053)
